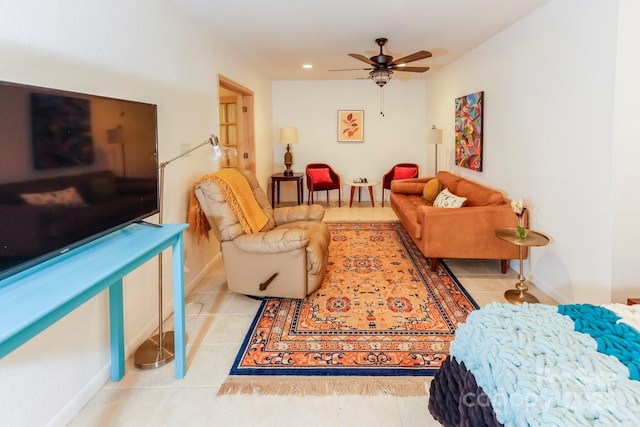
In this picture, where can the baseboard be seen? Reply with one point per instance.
(88, 392)
(202, 273)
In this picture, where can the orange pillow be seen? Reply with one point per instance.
(431, 190)
(401, 172)
(320, 175)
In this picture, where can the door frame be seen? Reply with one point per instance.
(247, 147)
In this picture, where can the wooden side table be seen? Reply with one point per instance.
(359, 185)
(275, 185)
(520, 294)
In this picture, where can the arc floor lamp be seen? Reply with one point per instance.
(159, 349)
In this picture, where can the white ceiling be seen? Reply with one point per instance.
(278, 36)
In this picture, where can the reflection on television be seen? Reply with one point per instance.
(73, 167)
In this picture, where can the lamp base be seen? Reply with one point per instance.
(149, 355)
(288, 161)
(516, 296)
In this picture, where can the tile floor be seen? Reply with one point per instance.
(217, 321)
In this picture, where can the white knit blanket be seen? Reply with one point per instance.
(538, 371)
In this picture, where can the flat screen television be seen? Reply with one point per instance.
(73, 167)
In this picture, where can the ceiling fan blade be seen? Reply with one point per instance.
(362, 58)
(411, 69)
(353, 69)
(422, 54)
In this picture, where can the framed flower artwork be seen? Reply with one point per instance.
(350, 125)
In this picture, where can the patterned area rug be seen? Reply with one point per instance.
(381, 322)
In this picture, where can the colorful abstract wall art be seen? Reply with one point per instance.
(469, 111)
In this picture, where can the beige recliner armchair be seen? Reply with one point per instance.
(287, 258)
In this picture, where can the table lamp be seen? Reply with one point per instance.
(288, 136)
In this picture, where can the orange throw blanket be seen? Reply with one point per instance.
(238, 194)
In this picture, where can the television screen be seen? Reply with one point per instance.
(73, 167)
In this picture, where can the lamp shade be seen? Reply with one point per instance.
(288, 135)
(114, 135)
(381, 77)
(433, 135)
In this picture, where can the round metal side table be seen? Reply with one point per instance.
(520, 294)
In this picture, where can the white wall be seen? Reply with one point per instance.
(147, 51)
(549, 96)
(312, 107)
(626, 152)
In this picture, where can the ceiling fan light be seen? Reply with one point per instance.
(381, 77)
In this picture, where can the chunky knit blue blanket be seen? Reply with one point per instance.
(571, 365)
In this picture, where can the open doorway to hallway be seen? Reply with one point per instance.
(237, 123)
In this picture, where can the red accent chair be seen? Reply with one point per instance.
(404, 171)
(320, 177)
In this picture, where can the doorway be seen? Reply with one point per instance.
(237, 123)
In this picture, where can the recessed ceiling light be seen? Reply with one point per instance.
(307, 66)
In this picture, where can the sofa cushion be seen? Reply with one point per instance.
(409, 186)
(319, 175)
(407, 207)
(68, 197)
(431, 190)
(446, 199)
(404, 172)
(478, 195)
(449, 180)
(102, 188)
(95, 217)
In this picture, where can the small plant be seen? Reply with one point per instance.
(518, 208)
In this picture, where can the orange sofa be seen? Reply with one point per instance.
(467, 232)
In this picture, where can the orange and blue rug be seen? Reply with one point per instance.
(380, 313)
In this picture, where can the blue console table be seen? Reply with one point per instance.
(34, 299)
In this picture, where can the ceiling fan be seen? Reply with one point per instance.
(383, 66)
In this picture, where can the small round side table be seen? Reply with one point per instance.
(356, 184)
(520, 294)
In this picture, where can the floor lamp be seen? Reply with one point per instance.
(159, 349)
(114, 136)
(434, 136)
